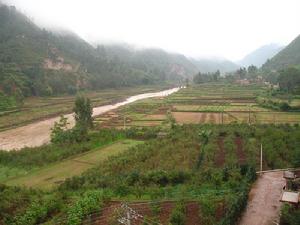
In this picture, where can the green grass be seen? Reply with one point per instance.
(56, 173)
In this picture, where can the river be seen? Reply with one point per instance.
(38, 133)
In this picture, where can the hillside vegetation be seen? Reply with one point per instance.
(212, 65)
(289, 56)
(37, 62)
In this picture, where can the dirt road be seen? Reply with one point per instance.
(38, 133)
(263, 204)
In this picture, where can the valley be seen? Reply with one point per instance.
(149, 112)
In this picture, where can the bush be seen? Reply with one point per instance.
(289, 215)
(38, 211)
(89, 202)
(178, 214)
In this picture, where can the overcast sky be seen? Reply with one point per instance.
(223, 28)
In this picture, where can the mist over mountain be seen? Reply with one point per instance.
(210, 65)
(259, 56)
(36, 61)
(289, 56)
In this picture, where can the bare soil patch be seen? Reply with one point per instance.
(104, 216)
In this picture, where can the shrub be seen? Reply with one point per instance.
(38, 211)
(289, 215)
(178, 214)
(89, 202)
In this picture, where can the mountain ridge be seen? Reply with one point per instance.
(35, 61)
(289, 56)
(260, 56)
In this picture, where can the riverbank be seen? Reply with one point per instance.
(38, 133)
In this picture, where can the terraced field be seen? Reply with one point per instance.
(39, 108)
(216, 103)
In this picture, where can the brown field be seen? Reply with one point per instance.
(201, 117)
(214, 104)
(113, 208)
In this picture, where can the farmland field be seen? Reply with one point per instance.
(217, 104)
(191, 156)
(39, 108)
(56, 173)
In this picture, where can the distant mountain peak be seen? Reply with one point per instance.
(288, 56)
(212, 64)
(259, 56)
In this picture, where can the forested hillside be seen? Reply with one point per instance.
(212, 65)
(289, 56)
(34, 61)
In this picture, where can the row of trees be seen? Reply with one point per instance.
(83, 121)
(206, 77)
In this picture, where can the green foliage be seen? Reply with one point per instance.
(88, 203)
(289, 56)
(289, 215)
(201, 78)
(147, 171)
(30, 158)
(208, 210)
(289, 79)
(60, 133)
(178, 214)
(235, 206)
(34, 61)
(83, 117)
(83, 112)
(38, 211)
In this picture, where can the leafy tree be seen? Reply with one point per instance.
(83, 116)
(289, 79)
(59, 133)
(252, 71)
(83, 112)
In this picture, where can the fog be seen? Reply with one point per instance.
(220, 28)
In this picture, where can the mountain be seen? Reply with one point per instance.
(214, 64)
(260, 55)
(289, 56)
(35, 61)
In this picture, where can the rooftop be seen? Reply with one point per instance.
(291, 197)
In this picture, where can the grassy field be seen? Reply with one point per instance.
(209, 103)
(38, 108)
(56, 173)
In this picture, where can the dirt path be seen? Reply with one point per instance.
(38, 133)
(263, 204)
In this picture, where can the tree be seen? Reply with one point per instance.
(216, 75)
(83, 112)
(83, 117)
(289, 79)
(252, 71)
(241, 73)
(60, 133)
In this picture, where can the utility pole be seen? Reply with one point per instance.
(222, 117)
(124, 122)
(249, 115)
(261, 158)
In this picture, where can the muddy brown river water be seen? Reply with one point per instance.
(38, 133)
